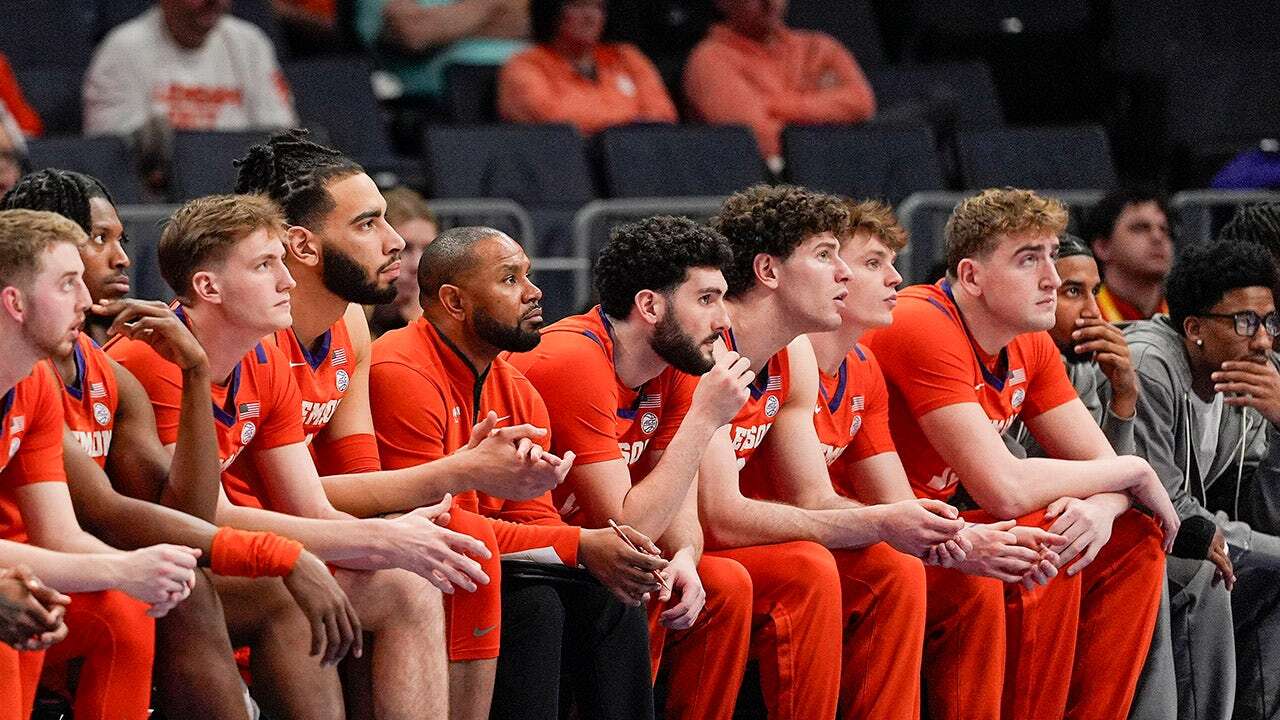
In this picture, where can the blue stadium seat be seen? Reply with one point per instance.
(107, 158)
(863, 161)
(54, 92)
(852, 22)
(675, 160)
(47, 32)
(202, 162)
(1047, 158)
(960, 94)
(471, 94)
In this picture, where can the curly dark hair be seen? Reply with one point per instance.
(773, 220)
(1205, 272)
(1259, 223)
(65, 192)
(294, 172)
(1101, 219)
(656, 254)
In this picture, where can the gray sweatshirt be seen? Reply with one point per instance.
(1240, 491)
(1090, 385)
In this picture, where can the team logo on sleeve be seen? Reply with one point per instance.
(14, 444)
(101, 413)
(771, 406)
(855, 426)
(341, 379)
(247, 433)
(1018, 396)
(649, 423)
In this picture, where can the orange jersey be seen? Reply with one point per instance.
(258, 404)
(323, 376)
(930, 361)
(769, 390)
(852, 416)
(90, 400)
(31, 438)
(425, 397)
(1115, 309)
(595, 414)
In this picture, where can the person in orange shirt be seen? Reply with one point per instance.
(1128, 231)
(569, 76)
(430, 381)
(224, 257)
(763, 494)
(1072, 647)
(753, 70)
(43, 300)
(619, 381)
(12, 99)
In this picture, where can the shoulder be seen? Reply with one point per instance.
(140, 33)
(243, 31)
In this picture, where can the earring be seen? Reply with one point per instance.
(1199, 342)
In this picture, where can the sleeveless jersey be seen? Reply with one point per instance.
(90, 400)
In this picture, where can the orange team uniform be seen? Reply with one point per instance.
(600, 419)
(1100, 619)
(30, 452)
(108, 629)
(1115, 309)
(539, 85)
(882, 590)
(796, 611)
(425, 397)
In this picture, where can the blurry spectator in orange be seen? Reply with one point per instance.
(1129, 232)
(409, 215)
(572, 77)
(753, 70)
(11, 99)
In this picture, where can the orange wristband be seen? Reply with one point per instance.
(240, 553)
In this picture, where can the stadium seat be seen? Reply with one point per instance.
(1047, 158)
(107, 158)
(54, 92)
(862, 161)
(946, 95)
(471, 94)
(676, 160)
(202, 162)
(47, 32)
(852, 22)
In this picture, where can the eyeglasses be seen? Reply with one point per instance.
(1247, 322)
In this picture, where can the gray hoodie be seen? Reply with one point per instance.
(1091, 385)
(1241, 491)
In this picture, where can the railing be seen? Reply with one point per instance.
(1203, 211)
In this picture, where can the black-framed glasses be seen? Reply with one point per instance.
(1247, 322)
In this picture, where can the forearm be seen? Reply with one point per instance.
(685, 532)
(130, 524)
(1118, 429)
(194, 472)
(1033, 483)
(420, 28)
(385, 491)
(652, 504)
(66, 572)
(753, 522)
(336, 541)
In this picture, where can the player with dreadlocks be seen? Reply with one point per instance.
(1259, 223)
(112, 429)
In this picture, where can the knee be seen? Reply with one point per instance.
(200, 615)
(729, 591)
(530, 610)
(896, 576)
(131, 630)
(813, 568)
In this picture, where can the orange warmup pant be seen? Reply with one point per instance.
(705, 663)
(883, 604)
(473, 620)
(795, 627)
(19, 674)
(116, 639)
(1073, 648)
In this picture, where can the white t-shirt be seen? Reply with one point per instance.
(1207, 420)
(232, 82)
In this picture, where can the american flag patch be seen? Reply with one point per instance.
(651, 401)
(97, 390)
(249, 410)
(339, 357)
(859, 403)
(17, 424)
(1017, 376)
(775, 383)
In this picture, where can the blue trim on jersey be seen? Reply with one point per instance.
(997, 378)
(322, 352)
(842, 379)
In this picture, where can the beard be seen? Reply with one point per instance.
(677, 348)
(513, 338)
(344, 277)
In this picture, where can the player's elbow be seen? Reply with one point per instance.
(999, 496)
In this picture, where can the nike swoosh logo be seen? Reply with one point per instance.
(293, 364)
(481, 632)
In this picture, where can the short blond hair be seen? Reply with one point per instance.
(202, 233)
(977, 222)
(876, 218)
(405, 204)
(25, 235)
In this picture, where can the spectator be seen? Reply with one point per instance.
(570, 76)
(1129, 232)
(12, 152)
(428, 35)
(12, 100)
(409, 215)
(185, 65)
(753, 70)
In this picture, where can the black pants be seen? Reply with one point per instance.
(564, 633)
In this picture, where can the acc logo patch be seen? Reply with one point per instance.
(342, 380)
(771, 406)
(246, 433)
(101, 413)
(1018, 396)
(649, 423)
(856, 425)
